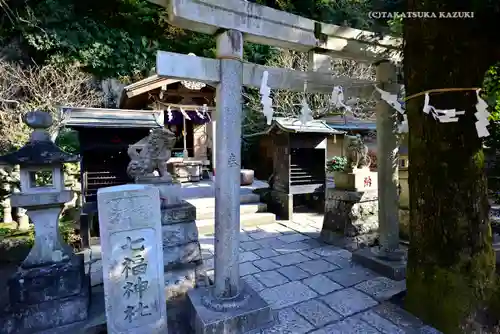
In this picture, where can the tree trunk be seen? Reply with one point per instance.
(450, 262)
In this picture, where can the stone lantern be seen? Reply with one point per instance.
(50, 288)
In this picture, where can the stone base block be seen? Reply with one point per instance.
(27, 319)
(369, 258)
(40, 284)
(178, 213)
(249, 312)
(352, 215)
(169, 190)
(350, 243)
(358, 180)
(177, 285)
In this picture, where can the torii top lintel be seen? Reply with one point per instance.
(268, 26)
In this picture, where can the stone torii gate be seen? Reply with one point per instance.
(231, 306)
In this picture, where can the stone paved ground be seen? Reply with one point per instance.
(315, 288)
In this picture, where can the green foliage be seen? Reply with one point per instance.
(396, 26)
(491, 91)
(67, 140)
(119, 38)
(353, 13)
(114, 38)
(66, 228)
(336, 164)
(491, 87)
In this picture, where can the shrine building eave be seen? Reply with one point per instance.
(294, 125)
(111, 118)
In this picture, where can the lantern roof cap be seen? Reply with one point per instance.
(40, 149)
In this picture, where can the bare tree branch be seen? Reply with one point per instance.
(44, 88)
(288, 104)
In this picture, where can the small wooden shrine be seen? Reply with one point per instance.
(105, 136)
(188, 110)
(299, 159)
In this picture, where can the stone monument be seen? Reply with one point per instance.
(50, 288)
(148, 163)
(130, 231)
(351, 208)
(182, 259)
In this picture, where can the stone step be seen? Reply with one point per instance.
(248, 208)
(206, 226)
(209, 202)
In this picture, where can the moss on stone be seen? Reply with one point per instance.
(445, 298)
(450, 258)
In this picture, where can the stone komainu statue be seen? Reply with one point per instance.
(357, 153)
(151, 154)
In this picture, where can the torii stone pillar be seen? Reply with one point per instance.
(387, 161)
(231, 306)
(387, 259)
(228, 160)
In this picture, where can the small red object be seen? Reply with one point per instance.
(368, 181)
(116, 140)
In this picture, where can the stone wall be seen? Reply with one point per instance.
(351, 218)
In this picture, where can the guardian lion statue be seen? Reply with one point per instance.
(357, 153)
(150, 155)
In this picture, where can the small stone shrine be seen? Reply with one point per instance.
(351, 208)
(181, 249)
(50, 288)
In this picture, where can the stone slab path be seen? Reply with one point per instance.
(313, 287)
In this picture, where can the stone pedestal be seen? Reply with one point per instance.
(242, 314)
(186, 171)
(51, 276)
(182, 260)
(351, 210)
(391, 265)
(169, 190)
(46, 297)
(357, 180)
(351, 218)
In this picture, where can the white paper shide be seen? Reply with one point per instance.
(442, 115)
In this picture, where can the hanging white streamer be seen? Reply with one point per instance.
(482, 116)
(184, 113)
(169, 113)
(200, 114)
(442, 115)
(305, 112)
(265, 99)
(391, 99)
(337, 98)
